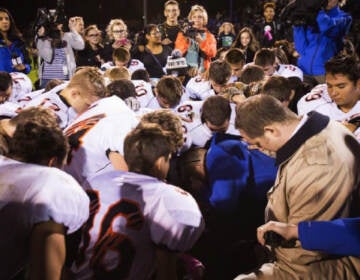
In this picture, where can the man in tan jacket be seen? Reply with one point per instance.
(318, 179)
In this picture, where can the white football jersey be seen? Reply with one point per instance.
(317, 97)
(289, 70)
(134, 65)
(130, 215)
(99, 130)
(195, 132)
(144, 92)
(52, 100)
(22, 101)
(9, 109)
(154, 104)
(21, 85)
(319, 100)
(31, 194)
(199, 88)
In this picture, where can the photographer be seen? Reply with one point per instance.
(318, 40)
(56, 49)
(13, 53)
(196, 42)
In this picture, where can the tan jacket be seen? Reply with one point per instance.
(318, 178)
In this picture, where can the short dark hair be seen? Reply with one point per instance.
(216, 110)
(170, 88)
(258, 111)
(219, 72)
(122, 88)
(251, 73)
(278, 87)
(35, 143)
(235, 56)
(264, 57)
(5, 80)
(140, 74)
(347, 65)
(144, 146)
(122, 54)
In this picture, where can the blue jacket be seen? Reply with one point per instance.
(237, 176)
(340, 237)
(17, 47)
(316, 45)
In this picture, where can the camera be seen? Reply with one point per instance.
(302, 12)
(189, 30)
(49, 19)
(276, 240)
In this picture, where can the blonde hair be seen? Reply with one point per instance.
(222, 27)
(90, 79)
(198, 8)
(110, 26)
(117, 73)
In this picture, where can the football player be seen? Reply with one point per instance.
(338, 98)
(69, 99)
(134, 214)
(266, 59)
(200, 87)
(169, 92)
(40, 204)
(97, 136)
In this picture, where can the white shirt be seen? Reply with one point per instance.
(21, 85)
(31, 194)
(132, 214)
(99, 130)
(52, 100)
(134, 65)
(318, 100)
(144, 92)
(199, 88)
(289, 70)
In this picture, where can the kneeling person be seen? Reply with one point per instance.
(136, 212)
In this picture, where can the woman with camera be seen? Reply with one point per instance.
(56, 50)
(13, 53)
(196, 42)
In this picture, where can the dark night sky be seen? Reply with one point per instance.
(101, 11)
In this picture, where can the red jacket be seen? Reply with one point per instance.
(208, 46)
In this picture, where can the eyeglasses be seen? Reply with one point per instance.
(155, 33)
(93, 35)
(119, 31)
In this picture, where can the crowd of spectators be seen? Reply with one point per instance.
(223, 147)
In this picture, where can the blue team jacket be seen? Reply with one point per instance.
(316, 45)
(235, 172)
(340, 237)
(6, 52)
